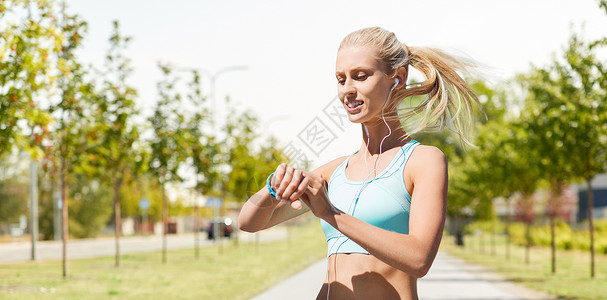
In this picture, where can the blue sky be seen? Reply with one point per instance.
(289, 47)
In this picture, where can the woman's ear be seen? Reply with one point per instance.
(401, 75)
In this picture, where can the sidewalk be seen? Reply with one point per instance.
(449, 279)
(97, 247)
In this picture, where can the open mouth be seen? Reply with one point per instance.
(353, 105)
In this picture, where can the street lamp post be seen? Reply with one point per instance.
(33, 204)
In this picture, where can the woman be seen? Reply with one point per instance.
(383, 207)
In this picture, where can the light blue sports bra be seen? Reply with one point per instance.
(384, 202)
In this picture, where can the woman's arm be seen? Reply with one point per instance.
(414, 252)
(262, 211)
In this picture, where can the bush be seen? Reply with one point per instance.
(580, 240)
(517, 233)
(601, 245)
(600, 236)
(563, 235)
(600, 227)
(566, 238)
(487, 226)
(540, 236)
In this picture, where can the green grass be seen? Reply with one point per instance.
(240, 272)
(571, 280)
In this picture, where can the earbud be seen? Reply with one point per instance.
(396, 82)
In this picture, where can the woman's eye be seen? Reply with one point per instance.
(341, 81)
(361, 77)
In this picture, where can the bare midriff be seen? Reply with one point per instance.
(363, 276)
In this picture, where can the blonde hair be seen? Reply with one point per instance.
(449, 99)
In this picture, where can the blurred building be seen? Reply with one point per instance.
(599, 191)
(573, 206)
(510, 208)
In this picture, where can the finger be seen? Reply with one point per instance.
(296, 204)
(284, 182)
(301, 188)
(278, 175)
(293, 185)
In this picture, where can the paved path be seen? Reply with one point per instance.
(449, 279)
(85, 248)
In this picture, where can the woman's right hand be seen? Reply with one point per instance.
(289, 184)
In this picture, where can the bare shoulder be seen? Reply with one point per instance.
(427, 158)
(327, 169)
(428, 153)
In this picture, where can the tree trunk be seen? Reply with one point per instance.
(482, 241)
(508, 229)
(591, 224)
(552, 244)
(528, 238)
(117, 217)
(459, 232)
(165, 221)
(64, 216)
(527, 206)
(493, 233)
(553, 209)
(196, 229)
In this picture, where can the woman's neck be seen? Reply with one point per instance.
(380, 136)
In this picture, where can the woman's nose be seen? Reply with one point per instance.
(348, 88)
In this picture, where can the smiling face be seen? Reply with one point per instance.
(362, 84)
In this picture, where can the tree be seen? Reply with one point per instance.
(578, 84)
(71, 114)
(30, 38)
(502, 166)
(26, 72)
(504, 163)
(117, 133)
(169, 143)
(550, 134)
(566, 124)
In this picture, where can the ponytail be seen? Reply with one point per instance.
(448, 99)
